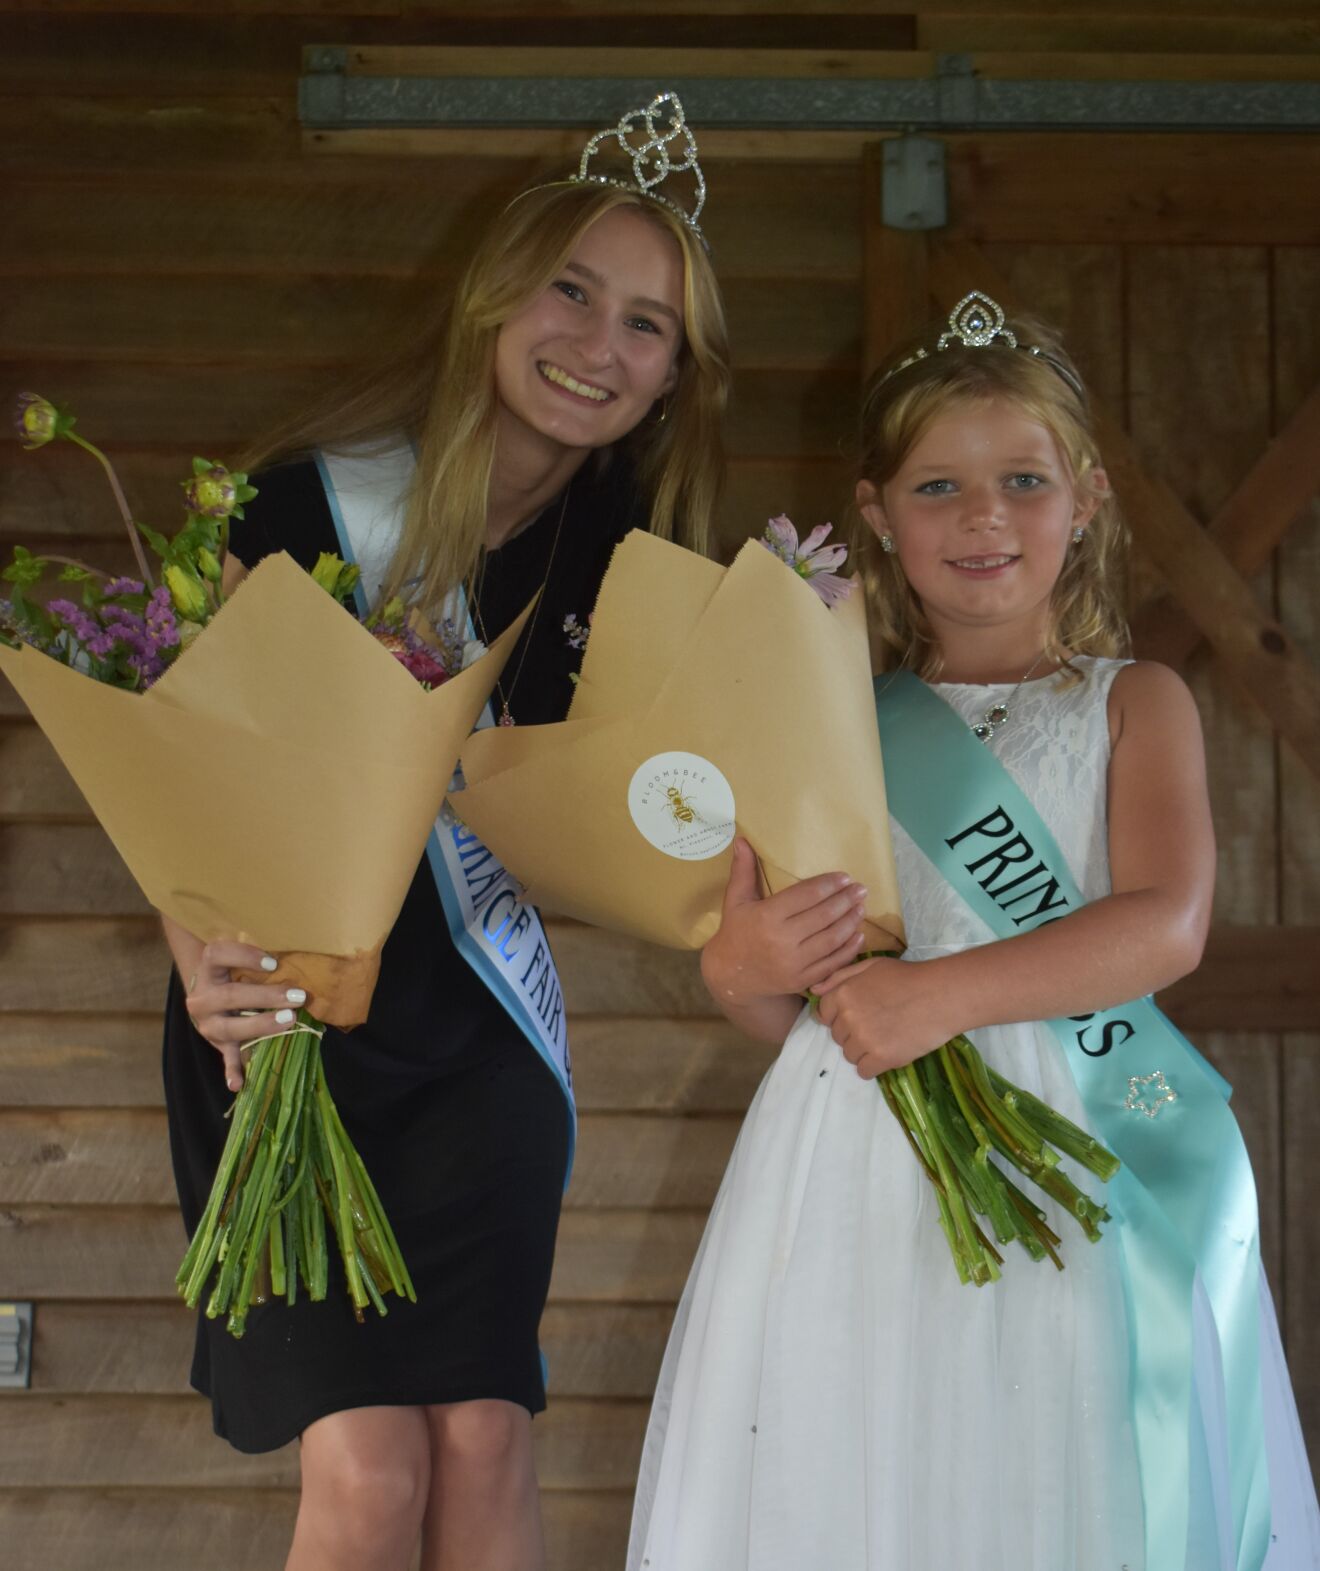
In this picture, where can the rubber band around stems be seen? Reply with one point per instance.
(245, 1052)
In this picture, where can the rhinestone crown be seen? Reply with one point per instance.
(659, 143)
(977, 322)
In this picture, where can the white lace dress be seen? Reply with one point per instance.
(832, 1397)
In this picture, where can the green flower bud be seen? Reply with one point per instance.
(39, 421)
(335, 576)
(209, 564)
(187, 593)
(212, 491)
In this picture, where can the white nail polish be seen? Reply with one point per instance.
(295, 995)
(284, 1017)
(269, 963)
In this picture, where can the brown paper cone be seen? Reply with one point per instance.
(278, 783)
(744, 668)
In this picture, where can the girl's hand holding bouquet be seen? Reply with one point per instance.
(694, 676)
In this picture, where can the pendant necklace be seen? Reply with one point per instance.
(999, 712)
(502, 693)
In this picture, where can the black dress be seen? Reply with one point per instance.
(461, 1124)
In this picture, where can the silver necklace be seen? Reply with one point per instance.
(999, 713)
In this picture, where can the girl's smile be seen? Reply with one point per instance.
(584, 362)
(981, 514)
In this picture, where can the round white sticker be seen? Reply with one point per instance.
(683, 805)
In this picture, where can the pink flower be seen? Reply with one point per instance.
(811, 558)
(413, 655)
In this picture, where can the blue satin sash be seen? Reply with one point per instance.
(498, 933)
(1185, 1197)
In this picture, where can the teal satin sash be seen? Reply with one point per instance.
(1185, 1198)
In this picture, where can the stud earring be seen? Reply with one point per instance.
(887, 544)
(1078, 535)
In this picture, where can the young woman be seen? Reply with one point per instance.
(574, 391)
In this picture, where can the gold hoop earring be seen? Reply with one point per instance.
(664, 410)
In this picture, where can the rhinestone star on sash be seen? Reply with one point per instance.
(1141, 1100)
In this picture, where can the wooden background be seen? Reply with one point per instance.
(181, 264)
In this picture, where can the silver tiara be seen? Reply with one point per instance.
(977, 322)
(658, 148)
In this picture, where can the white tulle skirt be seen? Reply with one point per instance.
(834, 1399)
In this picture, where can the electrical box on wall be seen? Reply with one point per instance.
(15, 1345)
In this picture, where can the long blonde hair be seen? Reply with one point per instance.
(899, 406)
(441, 392)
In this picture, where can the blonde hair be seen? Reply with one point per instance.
(441, 392)
(899, 407)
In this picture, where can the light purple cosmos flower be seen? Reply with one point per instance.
(811, 558)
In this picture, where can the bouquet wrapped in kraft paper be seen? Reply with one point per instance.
(276, 785)
(712, 701)
(715, 702)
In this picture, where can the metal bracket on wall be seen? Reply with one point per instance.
(332, 97)
(915, 189)
(15, 1345)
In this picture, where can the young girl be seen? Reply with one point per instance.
(833, 1398)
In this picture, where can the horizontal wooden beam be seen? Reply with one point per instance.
(167, 1441)
(806, 412)
(132, 1252)
(120, 1156)
(144, 1348)
(830, 64)
(343, 219)
(298, 319)
(1251, 978)
(210, 1529)
(623, 1064)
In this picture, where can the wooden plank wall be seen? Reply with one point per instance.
(181, 270)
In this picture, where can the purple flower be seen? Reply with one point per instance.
(162, 626)
(80, 624)
(811, 559)
(123, 586)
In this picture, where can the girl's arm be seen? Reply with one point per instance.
(767, 952)
(1149, 932)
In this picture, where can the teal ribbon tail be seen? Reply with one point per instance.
(1185, 1198)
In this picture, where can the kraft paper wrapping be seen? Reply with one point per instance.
(744, 667)
(277, 784)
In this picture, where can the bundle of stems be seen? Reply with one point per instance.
(956, 1111)
(288, 1167)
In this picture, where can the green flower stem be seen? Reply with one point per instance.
(121, 501)
(1051, 1125)
(288, 1164)
(955, 1111)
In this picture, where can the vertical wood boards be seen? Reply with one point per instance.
(179, 270)
(1297, 369)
